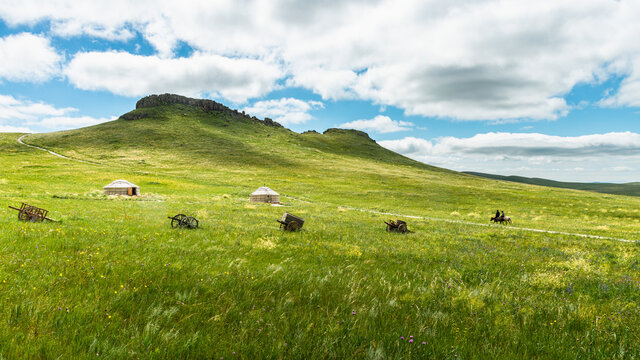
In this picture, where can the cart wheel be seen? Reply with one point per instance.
(176, 221)
(191, 222)
(402, 228)
(23, 216)
(184, 222)
(293, 226)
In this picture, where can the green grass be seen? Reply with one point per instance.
(113, 280)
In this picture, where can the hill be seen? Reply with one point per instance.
(112, 279)
(630, 189)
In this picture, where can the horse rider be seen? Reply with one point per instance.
(502, 216)
(497, 214)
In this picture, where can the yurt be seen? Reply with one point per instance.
(265, 195)
(122, 187)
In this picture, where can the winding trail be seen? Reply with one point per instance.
(54, 153)
(487, 225)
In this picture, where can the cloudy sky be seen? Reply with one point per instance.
(546, 88)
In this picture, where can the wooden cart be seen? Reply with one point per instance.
(31, 213)
(290, 222)
(183, 221)
(398, 226)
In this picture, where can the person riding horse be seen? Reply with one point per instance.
(497, 214)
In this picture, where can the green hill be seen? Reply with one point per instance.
(631, 189)
(112, 279)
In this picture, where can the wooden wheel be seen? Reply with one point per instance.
(23, 216)
(191, 222)
(177, 220)
(293, 226)
(402, 228)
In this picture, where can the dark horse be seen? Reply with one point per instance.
(501, 219)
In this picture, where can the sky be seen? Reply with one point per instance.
(545, 89)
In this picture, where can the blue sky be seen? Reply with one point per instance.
(548, 89)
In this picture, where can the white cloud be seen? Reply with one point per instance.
(14, 129)
(235, 79)
(285, 111)
(622, 168)
(28, 57)
(380, 124)
(15, 109)
(466, 60)
(580, 158)
(17, 115)
(68, 122)
(525, 145)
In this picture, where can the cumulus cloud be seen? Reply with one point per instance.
(522, 145)
(28, 57)
(15, 109)
(285, 111)
(122, 73)
(531, 154)
(68, 122)
(17, 115)
(380, 124)
(466, 60)
(14, 129)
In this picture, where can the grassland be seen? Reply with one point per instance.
(113, 280)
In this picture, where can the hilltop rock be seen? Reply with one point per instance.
(170, 99)
(349, 131)
(204, 104)
(133, 116)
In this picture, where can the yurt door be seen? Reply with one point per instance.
(130, 191)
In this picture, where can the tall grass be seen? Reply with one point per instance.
(113, 280)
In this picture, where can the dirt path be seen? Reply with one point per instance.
(505, 227)
(53, 153)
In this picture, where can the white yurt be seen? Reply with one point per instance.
(265, 195)
(122, 187)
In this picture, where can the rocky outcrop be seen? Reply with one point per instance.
(349, 131)
(204, 104)
(170, 99)
(133, 116)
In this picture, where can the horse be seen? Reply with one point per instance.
(501, 219)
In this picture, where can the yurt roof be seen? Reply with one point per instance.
(120, 184)
(263, 190)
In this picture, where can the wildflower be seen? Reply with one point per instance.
(410, 340)
(424, 343)
(353, 313)
(401, 337)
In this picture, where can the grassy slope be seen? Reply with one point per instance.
(630, 189)
(342, 288)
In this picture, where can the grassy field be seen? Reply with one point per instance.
(113, 280)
